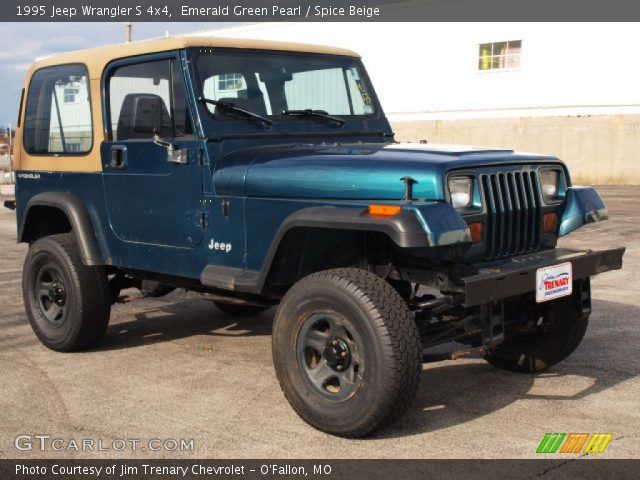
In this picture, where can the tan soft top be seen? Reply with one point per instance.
(97, 58)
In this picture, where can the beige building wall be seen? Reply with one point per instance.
(598, 149)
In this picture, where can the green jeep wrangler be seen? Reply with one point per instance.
(263, 174)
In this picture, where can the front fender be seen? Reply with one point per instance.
(583, 205)
(442, 224)
(416, 226)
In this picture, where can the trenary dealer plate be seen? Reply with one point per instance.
(553, 282)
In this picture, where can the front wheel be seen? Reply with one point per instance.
(557, 329)
(67, 302)
(346, 350)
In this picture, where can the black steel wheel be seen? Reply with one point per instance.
(51, 294)
(329, 357)
(346, 351)
(67, 302)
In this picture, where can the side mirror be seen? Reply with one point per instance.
(147, 114)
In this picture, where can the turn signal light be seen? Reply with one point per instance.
(386, 210)
(476, 231)
(550, 222)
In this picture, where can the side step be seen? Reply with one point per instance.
(231, 279)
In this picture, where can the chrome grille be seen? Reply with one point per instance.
(512, 201)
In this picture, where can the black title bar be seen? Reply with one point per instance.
(284, 469)
(317, 10)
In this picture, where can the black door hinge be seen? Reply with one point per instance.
(203, 220)
(225, 207)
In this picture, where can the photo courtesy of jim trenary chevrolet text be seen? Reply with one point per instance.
(319, 239)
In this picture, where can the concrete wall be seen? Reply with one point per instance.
(598, 149)
(575, 94)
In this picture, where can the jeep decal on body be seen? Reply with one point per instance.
(224, 247)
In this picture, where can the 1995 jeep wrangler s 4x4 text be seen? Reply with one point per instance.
(262, 174)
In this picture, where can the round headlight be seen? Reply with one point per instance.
(550, 184)
(461, 191)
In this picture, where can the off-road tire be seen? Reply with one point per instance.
(536, 352)
(390, 353)
(84, 317)
(238, 310)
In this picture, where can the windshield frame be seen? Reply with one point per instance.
(283, 118)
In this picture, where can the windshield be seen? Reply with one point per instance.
(276, 83)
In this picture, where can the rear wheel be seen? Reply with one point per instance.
(239, 310)
(346, 351)
(67, 302)
(559, 327)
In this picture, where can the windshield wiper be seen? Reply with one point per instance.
(228, 107)
(314, 113)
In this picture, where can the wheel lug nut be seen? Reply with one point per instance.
(335, 342)
(343, 354)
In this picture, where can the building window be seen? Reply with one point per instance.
(500, 55)
(230, 81)
(70, 95)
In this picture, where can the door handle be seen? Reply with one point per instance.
(118, 160)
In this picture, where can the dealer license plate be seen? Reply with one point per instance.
(553, 282)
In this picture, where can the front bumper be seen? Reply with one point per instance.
(517, 275)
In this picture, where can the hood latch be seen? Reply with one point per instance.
(408, 188)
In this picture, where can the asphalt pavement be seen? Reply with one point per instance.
(178, 368)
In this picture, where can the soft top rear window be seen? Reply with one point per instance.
(57, 118)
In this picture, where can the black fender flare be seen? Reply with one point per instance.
(79, 218)
(404, 229)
